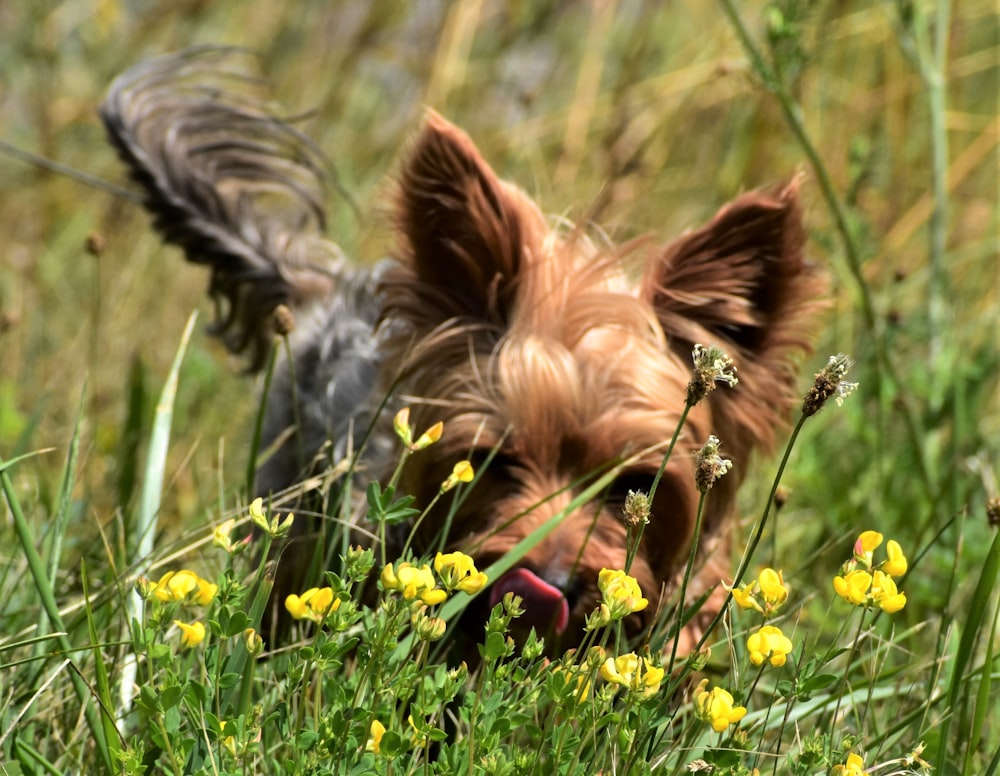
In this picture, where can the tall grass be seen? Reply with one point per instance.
(640, 117)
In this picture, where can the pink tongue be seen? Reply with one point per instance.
(544, 606)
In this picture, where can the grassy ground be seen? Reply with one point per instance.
(641, 117)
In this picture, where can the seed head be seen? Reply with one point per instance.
(709, 465)
(829, 383)
(711, 365)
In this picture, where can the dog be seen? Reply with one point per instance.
(551, 357)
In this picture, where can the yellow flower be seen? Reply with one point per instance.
(276, 527)
(413, 582)
(745, 598)
(621, 593)
(314, 604)
(865, 546)
(853, 586)
(192, 634)
(228, 741)
(374, 744)
(401, 425)
(429, 437)
(184, 585)
(221, 537)
(855, 766)
(715, 707)
(253, 642)
(884, 593)
(634, 673)
(772, 588)
(462, 472)
(896, 564)
(458, 572)
(769, 643)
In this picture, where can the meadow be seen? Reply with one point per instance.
(125, 431)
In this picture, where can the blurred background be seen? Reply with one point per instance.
(643, 117)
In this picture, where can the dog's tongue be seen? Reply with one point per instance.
(545, 606)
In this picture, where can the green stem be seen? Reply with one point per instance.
(793, 115)
(41, 580)
(681, 602)
(758, 532)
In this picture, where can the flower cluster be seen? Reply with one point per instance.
(414, 582)
(314, 604)
(186, 588)
(765, 595)
(636, 674)
(456, 570)
(621, 596)
(769, 643)
(716, 707)
(863, 583)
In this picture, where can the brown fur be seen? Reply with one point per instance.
(535, 346)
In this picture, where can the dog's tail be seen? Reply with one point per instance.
(235, 187)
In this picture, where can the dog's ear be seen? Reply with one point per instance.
(465, 230)
(742, 282)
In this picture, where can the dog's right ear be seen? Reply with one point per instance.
(741, 281)
(465, 231)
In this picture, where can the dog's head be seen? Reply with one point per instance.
(553, 361)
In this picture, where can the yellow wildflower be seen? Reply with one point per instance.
(865, 546)
(461, 472)
(634, 673)
(458, 572)
(772, 588)
(192, 634)
(716, 707)
(221, 536)
(429, 437)
(621, 593)
(401, 425)
(413, 582)
(855, 766)
(377, 730)
(253, 642)
(884, 593)
(853, 586)
(228, 741)
(275, 527)
(314, 604)
(770, 644)
(184, 585)
(896, 564)
(745, 598)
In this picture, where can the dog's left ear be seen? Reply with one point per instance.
(742, 282)
(466, 230)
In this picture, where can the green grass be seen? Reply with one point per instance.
(644, 122)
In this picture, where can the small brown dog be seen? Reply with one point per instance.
(533, 344)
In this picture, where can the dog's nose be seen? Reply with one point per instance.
(545, 606)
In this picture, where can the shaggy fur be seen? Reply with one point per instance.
(535, 346)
